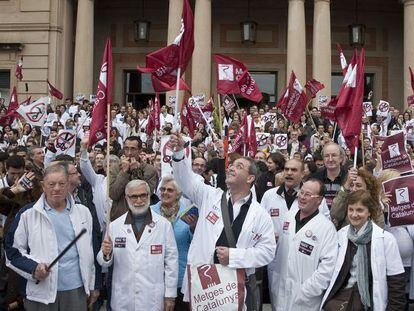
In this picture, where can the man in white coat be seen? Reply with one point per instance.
(255, 242)
(306, 254)
(142, 249)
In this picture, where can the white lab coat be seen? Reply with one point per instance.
(256, 243)
(144, 272)
(304, 264)
(385, 261)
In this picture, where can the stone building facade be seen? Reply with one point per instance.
(63, 41)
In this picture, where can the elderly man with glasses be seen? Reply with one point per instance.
(141, 247)
(306, 253)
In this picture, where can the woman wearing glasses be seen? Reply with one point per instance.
(171, 208)
(369, 274)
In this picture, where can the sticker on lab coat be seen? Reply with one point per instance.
(274, 212)
(305, 248)
(212, 217)
(120, 242)
(156, 249)
(286, 225)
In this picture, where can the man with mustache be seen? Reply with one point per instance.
(141, 247)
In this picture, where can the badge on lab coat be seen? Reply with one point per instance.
(212, 217)
(120, 242)
(156, 249)
(274, 212)
(285, 225)
(305, 248)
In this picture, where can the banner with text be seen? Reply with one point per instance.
(394, 155)
(216, 288)
(401, 205)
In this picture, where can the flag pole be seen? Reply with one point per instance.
(310, 116)
(334, 131)
(208, 124)
(219, 109)
(176, 124)
(235, 100)
(108, 131)
(362, 149)
(355, 156)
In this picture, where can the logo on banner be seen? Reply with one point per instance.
(402, 196)
(65, 140)
(322, 100)
(383, 107)
(35, 114)
(281, 141)
(394, 150)
(226, 72)
(208, 276)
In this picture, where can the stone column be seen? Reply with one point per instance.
(174, 24)
(201, 62)
(84, 47)
(296, 43)
(321, 58)
(408, 46)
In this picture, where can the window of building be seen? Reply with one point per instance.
(138, 89)
(337, 79)
(5, 86)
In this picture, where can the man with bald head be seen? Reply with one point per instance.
(332, 175)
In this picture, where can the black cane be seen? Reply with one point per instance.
(83, 231)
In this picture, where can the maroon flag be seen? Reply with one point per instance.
(234, 78)
(160, 86)
(103, 98)
(342, 59)
(164, 63)
(411, 78)
(154, 115)
(293, 101)
(19, 69)
(252, 141)
(314, 87)
(327, 108)
(206, 109)
(54, 91)
(10, 115)
(394, 155)
(240, 137)
(348, 111)
(401, 204)
(187, 119)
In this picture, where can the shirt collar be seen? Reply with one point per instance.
(47, 207)
(242, 200)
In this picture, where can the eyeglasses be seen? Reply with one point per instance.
(134, 197)
(168, 190)
(307, 195)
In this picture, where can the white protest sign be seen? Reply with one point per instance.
(166, 154)
(281, 141)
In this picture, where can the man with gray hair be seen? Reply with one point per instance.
(141, 247)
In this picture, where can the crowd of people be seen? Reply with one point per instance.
(309, 228)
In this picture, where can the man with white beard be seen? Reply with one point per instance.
(142, 248)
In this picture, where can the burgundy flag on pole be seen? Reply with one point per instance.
(240, 137)
(348, 109)
(54, 91)
(19, 69)
(164, 63)
(10, 115)
(160, 86)
(103, 98)
(154, 116)
(234, 78)
(187, 119)
(342, 59)
(314, 87)
(252, 141)
(207, 109)
(293, 101)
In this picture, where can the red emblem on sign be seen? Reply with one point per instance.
(36, 112)
(156, 249)
(208, 276)
(212, 217)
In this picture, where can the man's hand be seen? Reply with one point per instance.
(223, 255)
(176, 142)
(41, 272)
(84, 142)
(169, 304)
(25, 183)
(133, 163)
(124, 165)
(220, 147)
(92, 298)
(106, 246)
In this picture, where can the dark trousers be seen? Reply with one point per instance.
(181, 305)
